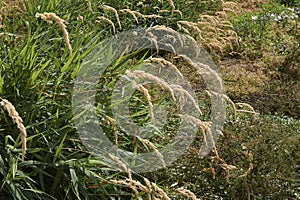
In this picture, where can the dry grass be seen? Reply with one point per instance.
(214, 32)
(113, 123)
(115, 12)
(150, 188)
(243, 77)
(157, 80)
(48, 17)
(187, 193)
(145, 91)
(172, 6)
(164, 62)
(108, 21)
(10, 6)
(17, 120)
(153, 147)
(122, 166)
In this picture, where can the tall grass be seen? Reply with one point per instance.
(39, 62)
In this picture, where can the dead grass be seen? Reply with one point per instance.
(242, 77)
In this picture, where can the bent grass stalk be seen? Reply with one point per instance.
(164, 62)
(153, 147)
(122, 165)
(108, 21)
(18, 121)
(52, 16)
(157, 80)
(187, 193)
(113, 123)
(161, 193)
(132, 13)
(115, 12)
(143, 90)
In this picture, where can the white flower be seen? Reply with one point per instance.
(254, 17)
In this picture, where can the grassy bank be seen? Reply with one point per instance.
(255, 45)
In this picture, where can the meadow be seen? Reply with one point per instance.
(254, 54)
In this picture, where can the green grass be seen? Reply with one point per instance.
(37, 76)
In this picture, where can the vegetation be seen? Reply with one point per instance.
(43, 45)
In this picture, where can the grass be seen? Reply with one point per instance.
(256, 158)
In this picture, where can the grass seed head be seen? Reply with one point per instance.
(52, 16)
(17, 120)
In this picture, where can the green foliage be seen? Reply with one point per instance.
(36, 75)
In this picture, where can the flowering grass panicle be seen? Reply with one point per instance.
(52, 16)
(17, 120)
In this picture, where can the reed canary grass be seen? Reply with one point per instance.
(14, 115)
(153, 38)
(145, 91)
(157, 80)
(174, 11)
(149, 187)
(172, 6)
(230, 6)
(184, 29)
(185, 93)
(153, 147)
(169, 31)
(251, 109)
(148, 184)
(113, 123)
(121, 165)
(164, 62)
(187, 193)
(128, 184)
(108, 21)
(116, 14)
(202, 126)
(132, 13)
(138, 184)
(52, 16)
(193, 26)
(160, 192)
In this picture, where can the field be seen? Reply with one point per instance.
(149, 99)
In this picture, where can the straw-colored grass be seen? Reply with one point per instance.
(148, 76)
(164, 62)
(145, 91)
(17, 120)
(122, 165)
(214, 32)
(153, 147)
(113, 123)
(150, 188)
(160, 192)
(172, 6)
(187, 193)
(48, 17)
(109, 8)
(108, 21)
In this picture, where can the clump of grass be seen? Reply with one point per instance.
(52, 16)
(214, 32)
(17, 120)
